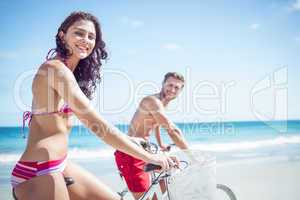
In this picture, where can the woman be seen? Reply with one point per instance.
(63, 86)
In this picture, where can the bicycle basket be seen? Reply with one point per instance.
(197, 181)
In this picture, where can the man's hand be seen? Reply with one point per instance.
(164, 147)
(166, 162)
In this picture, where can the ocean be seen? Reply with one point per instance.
(230, 142)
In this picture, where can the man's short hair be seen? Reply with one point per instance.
(174, 75)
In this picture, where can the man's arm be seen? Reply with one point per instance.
(159, 140)
(156, 109)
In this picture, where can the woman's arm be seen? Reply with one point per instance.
(62, 80)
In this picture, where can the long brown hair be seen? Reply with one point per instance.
(87, 72)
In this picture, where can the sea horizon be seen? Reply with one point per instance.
(190, 122)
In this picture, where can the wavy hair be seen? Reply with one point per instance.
(87, 72)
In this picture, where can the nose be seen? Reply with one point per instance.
(85, 39)
(173, 89)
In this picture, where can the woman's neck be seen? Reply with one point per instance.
(70, 62)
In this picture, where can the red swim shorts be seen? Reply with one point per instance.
(132, 170)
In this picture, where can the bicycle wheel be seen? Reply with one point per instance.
(227, 190)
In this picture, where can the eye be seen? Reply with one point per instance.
(79, 33)
(92, 37)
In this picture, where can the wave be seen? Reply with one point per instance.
(107, 153)
(247, 145)
(77, 153)
(74, 153)
(7, 158)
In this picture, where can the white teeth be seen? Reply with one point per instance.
(81, 47)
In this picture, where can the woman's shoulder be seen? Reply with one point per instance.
(45, 70)
(52, 64)
(52, 68)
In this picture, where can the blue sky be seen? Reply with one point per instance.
(239, 58)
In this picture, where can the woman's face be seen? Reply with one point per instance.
(80, 38)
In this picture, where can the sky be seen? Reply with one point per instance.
(239, 58)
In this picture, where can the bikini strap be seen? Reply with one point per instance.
(27, 115)
(51, 55)
(66, 109)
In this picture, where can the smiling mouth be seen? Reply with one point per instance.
(82, 48)
(170, 93)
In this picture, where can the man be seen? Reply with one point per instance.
(149, 116)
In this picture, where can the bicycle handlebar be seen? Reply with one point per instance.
(151, 167)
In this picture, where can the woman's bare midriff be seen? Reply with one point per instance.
(48, 138)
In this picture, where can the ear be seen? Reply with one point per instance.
(61, 36)
(182, 86)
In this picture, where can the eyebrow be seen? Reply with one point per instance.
(80, 29)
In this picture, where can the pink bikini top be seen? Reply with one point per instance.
(27, 115)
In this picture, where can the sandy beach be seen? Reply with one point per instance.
(249, 179)
(263, 180)
(260, 180)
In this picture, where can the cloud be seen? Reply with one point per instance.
(171, 46)
(295, 6)
(254, 26)
(134, 23)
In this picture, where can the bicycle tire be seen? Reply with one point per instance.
(227, 190)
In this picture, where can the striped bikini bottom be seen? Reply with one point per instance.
(25, 170)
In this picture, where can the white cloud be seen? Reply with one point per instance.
(171, 46)
(134, 23)
(295, 6)
(254, 26)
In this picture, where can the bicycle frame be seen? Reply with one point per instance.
(155, 188)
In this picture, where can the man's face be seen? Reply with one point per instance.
(171, 88)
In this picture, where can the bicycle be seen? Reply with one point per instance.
(165, 177)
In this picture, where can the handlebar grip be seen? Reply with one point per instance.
(170, 146)
(151, 167)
